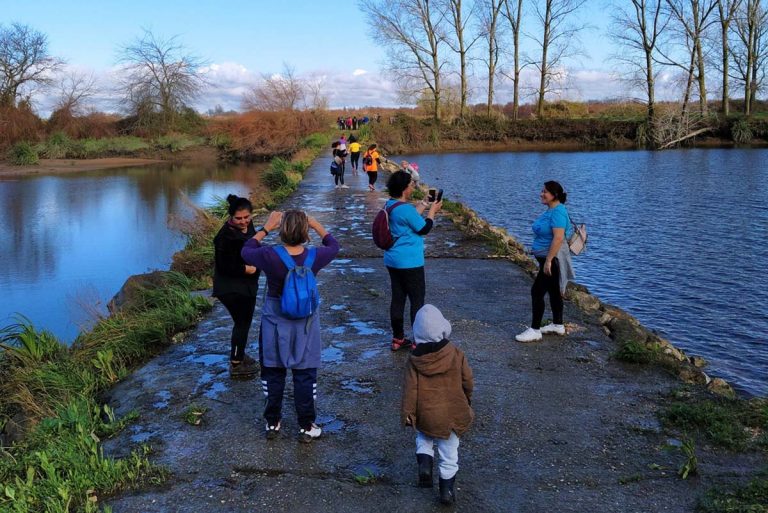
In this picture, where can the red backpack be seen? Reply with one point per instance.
(382, 236)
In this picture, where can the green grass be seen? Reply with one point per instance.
(193, 414)
(634, 352)
(733, 424)
(751, 498)
(59, 466)
(23, 154)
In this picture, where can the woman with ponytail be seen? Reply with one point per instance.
(550, 231)
(236, 283)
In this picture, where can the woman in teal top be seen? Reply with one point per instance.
(549, 232)
(405, 259)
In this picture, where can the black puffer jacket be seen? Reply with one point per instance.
(229, 267)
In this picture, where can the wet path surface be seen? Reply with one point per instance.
(559, 425)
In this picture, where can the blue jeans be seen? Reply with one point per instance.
(447, 451)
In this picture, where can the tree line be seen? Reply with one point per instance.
(157, 80)
(432, 45)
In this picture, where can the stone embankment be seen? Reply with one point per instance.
(560, 425)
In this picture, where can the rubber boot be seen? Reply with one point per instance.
(425, 470)
(447, 494)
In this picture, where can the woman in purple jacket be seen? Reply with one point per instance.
(286, 343)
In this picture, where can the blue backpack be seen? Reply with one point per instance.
(300, 296)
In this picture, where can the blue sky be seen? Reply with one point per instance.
(245, 39)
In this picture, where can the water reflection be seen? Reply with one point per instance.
(74, 238)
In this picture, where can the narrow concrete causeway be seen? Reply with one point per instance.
(559, 424)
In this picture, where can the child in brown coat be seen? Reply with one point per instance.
(436, 399)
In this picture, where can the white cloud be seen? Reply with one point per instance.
(359, 72)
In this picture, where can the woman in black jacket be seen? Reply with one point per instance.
(235, 283)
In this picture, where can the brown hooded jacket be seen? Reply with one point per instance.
(438, 390)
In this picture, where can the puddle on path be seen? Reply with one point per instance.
(140, 436)
(362, 270)
(370, 353)
(207, 359)
(332, 355)
(336, 308)
(359, 386)
(368, 470)
(365, 328)
(215, 390)
(330, 423)
(164, 397)
(338, 330)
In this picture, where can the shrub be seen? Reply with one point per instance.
(23, 154)
(741, 132)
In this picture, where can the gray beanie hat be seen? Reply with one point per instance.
(430, 325)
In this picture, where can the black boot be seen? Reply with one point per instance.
(447, 494)
(425, 470)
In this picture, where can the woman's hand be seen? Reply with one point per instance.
(249, 269)
(435, 208)
(315, 225)
(274, 220)
(548, 267)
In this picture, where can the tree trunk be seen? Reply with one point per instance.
(725, 100)
(544, 49)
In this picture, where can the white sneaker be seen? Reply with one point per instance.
(345, 186)
(307, 435)
(529, 335)
(337, 187)
(273, 431)
(553, 329)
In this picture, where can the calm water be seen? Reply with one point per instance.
(68, 242)
(677, 238)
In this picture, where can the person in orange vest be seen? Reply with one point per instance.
(371, 161)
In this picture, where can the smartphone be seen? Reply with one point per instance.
(435, 195)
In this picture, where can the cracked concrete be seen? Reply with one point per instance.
(559, 425)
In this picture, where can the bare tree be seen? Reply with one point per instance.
(413, 32)
(490, 17)
(74, 89)
(694, 18)
(749, 62)
(159, 76)
(558, 40)
(727, 10)
(513, 12)
(283, 91)
(24, 61)
(315, 92)
(459, 19)
(636, 29)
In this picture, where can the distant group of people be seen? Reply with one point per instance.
(438, 382)
(351, 122)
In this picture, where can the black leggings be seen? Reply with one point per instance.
(241, 308)
(372, 175)
(339, 176)
(542, 286)
(405, 283)
(354, 159)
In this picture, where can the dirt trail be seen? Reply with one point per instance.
(560, 425)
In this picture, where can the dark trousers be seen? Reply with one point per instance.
(406, 283)
(339, 176)
(542, 286)
(354, 159)
(240, 307)
(372, 175)
(304, 394)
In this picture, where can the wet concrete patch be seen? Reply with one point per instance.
(365, 328)
(215, 390)
(207, 359)
(330, 423)
(164, 398)
(361, 386)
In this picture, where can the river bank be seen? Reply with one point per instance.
(52, 415)
(405, 134)
(560, 425)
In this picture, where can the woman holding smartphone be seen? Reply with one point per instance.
(405, 259)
